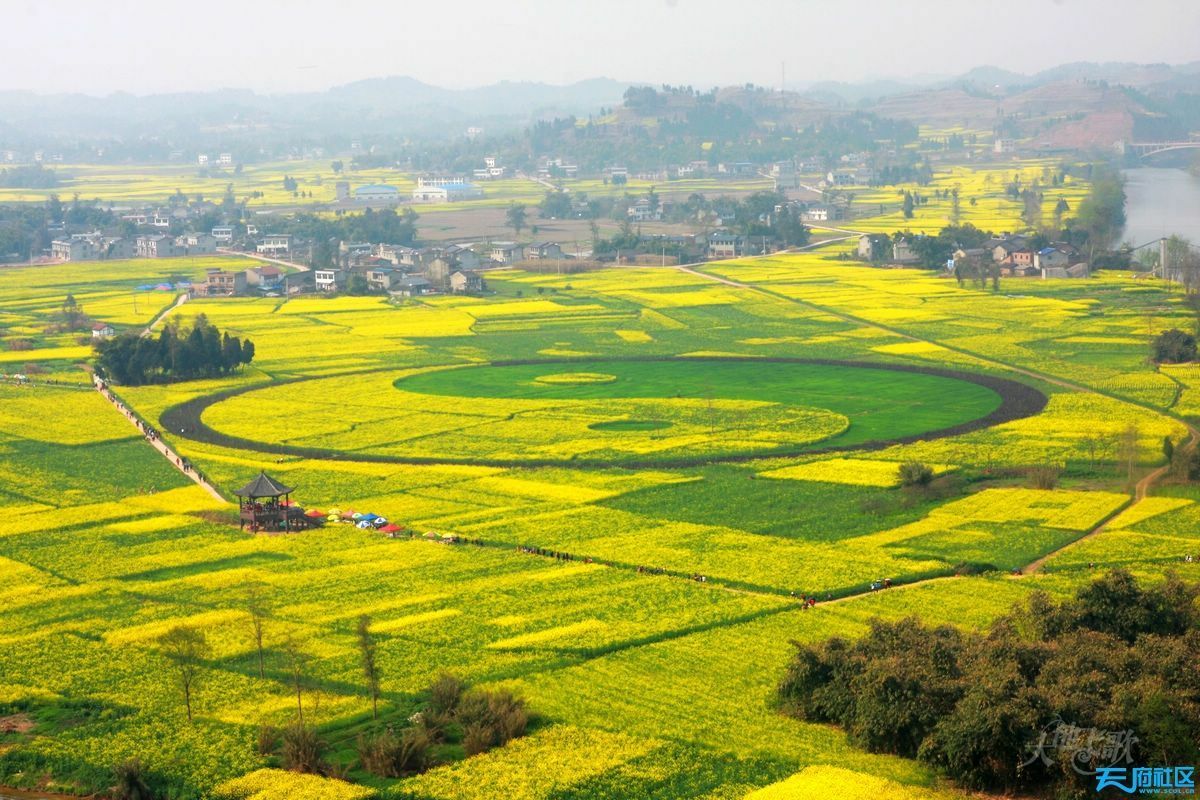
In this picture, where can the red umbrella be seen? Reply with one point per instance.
(348, 515)
(391, 528)
(314, 513)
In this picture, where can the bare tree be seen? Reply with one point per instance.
(186, 648)
(297, 664)
(257, 608)
(366, 647)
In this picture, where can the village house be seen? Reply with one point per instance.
(1002, 251)
(465, 257)
(840, 177)
(266, 277)
(438, 270)
(543, 251)
(276, 244)
(507, 252)
(815, 213)
(866, 247)
(410, 286)
(156, 246)
(722, 244)
(466, 282)
(379, 279)
(1051, 257)
(102, 330)
(117, 247)
(197, 244)
(224, 283)
(902, 253)
(223, 234)
(329, 280)
(644, 211)
(74, 249)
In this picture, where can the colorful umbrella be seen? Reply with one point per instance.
(314, 513)
(391, 528)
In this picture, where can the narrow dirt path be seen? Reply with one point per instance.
(152, 438)
(158, 318)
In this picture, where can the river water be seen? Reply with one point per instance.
(1161, 202)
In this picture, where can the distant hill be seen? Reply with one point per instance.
(1115, 96)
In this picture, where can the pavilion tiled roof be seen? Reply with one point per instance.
(263, 486)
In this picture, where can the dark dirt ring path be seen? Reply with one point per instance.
(1017, 401)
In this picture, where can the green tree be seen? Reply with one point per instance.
(514, 217)
(908, 205)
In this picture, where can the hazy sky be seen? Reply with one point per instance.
(145, 46)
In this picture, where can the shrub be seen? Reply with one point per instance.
(131, 782)
(490, 719)
(914, 473)
(391, 756)
(1044, 476)
(445, 693)
(303, 750)
(478, 738)
(1174, 347)
(268, 740)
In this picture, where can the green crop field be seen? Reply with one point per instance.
(640, 467)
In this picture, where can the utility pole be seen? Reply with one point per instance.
(1162, 258)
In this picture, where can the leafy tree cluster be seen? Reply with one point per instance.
(175, 354)
(935, 250)
(1174, 347)
(34, 176)
(1116, 657)
(921, 174)
(1101, 214)
(386, 225)
(25, 227)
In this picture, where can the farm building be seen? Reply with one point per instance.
(102, 330)
(446, 193)
(377, 193)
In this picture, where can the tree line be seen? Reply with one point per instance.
(176, 353)
(1116, 657)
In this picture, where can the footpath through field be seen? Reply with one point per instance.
(154, 440)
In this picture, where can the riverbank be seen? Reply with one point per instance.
(1161, 202)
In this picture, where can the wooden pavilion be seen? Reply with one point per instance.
(265, 505)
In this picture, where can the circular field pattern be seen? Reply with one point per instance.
(637, 412)
(575, 378)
